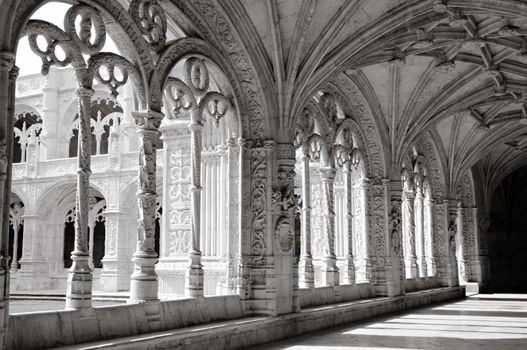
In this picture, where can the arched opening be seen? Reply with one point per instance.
(96, 231)
(507, 235)
(105, 114)
(218, 177)
(16, 231)
(28, 126)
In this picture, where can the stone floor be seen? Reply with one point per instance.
(491, 321)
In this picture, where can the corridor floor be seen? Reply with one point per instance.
(483, 321)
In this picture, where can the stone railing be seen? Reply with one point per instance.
(68, 166)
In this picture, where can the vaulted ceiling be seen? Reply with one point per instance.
(454, 69)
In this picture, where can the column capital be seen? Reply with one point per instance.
(84, 92)
(327, 173)
(195, 126)
(148, 119)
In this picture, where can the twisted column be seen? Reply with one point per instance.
(306, 273)
(143, 281)
(330, 271)
(79, 285)
(194, 273)
(349, 275)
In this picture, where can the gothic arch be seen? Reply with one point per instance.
(367, 123)
(428, 147)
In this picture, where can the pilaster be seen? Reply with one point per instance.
(175, 238)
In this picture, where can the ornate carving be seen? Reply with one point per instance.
(284, 233)
(395, 228)
(378, 219)
(151, 21)
(221, 28)
(284, 196)
(259, 202)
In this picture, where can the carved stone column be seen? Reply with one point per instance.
(79, 285)
(380, 209)
(349, 272)
(194, 273)
(284, 261)
(429, 237)
(306, 270)
(409, 234)
(232, 220)
(244, 247)
(143, 284)
(330, 271)
(460, 245)
(396, 243)
(441, 226)
(17, 221)
(453, 269)
(419, 225)
(363, 242)
(8, 75)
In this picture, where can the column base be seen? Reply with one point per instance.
(330, 272)
(349, 271)
(143, 281)
(194, 276)
(412, 270)
(79, 285)
(422, 268)
(306, 272)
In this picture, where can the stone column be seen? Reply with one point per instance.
(283, 280)
(409, 233)
(419, 225)
(79, 285)
(48, 136)
(233, 212)
(194, 273)
(429, 237)
(16, 221)
(442, 232)
(349, 272)
(14, 260)
(244, 243)
(460, 245)
(330, 271)
(306, 271)
(143, 283)
(364, 243)
(8, 75)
